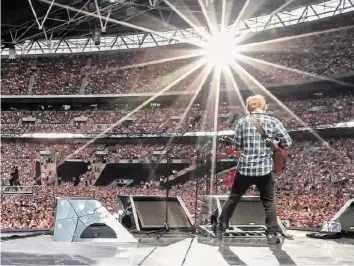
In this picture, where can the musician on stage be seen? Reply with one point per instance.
(255, 166)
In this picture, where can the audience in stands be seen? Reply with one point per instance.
(318, 181)
(314, 112)
(327, 54)
(319, 178)
(15, 75)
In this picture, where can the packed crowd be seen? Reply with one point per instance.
(318, 181)
(57, 152)
(320, 54)
(326, 54)
(15, 76)
(22, 155)
(319, 176)
(320, 111)
(58, 75)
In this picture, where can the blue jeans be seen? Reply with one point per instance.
(265, 185)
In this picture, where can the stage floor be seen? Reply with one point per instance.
(179, 249)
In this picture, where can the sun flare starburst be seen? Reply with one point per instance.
(221, 49)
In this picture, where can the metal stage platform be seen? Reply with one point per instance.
(177, 249)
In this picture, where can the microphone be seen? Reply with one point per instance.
(194, 121)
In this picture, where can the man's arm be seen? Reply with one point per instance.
(284, 137)
(238, 137)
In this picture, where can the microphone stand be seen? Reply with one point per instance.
(206, 162)
(197, 183)
(166, 227)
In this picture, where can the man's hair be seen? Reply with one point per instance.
(255, 102)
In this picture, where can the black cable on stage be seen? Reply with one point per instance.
(14, 236)
(148, 255)
(185, 256)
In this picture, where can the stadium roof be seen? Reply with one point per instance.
(22, 20)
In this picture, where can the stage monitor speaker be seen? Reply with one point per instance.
(249, 215)
(144, 213)
(249, 211)
(98, 230)
(86, 220)
(345, 216)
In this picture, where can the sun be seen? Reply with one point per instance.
(221, 49)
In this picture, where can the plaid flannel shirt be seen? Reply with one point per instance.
(256, 156)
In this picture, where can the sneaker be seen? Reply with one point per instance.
(219, 229)
(274, 239)
(288, 236)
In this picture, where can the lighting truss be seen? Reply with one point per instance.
(85, 43)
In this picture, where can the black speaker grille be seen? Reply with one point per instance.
(247, 213)
(98, 231)
(152, 213)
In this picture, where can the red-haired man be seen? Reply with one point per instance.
(255, 166)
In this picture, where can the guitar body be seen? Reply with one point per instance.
(280, 154)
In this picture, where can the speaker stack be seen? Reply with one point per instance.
(147, 213)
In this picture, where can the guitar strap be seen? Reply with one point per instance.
(259, 127)
(279, 155)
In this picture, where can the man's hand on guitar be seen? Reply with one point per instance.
(276, 142)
